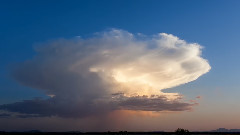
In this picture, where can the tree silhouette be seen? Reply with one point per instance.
(181, 131)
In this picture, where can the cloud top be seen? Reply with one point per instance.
(112, 70)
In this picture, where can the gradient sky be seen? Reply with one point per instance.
(214, 24)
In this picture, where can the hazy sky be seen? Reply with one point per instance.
(131, 65)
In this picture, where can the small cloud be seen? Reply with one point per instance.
(193, 101)
(51, 95)
(5, 115)
(199, 97)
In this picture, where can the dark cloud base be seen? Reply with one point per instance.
(51, 107)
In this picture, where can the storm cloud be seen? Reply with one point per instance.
(112, 70)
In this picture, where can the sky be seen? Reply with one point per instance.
(135, 65)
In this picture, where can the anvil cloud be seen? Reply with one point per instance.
(113, 70)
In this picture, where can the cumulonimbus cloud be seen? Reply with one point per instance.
(109, 71)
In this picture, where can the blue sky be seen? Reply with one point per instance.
(213, 24)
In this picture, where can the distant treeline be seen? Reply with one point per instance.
(118, 133)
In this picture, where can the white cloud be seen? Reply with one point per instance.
(88, 71)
